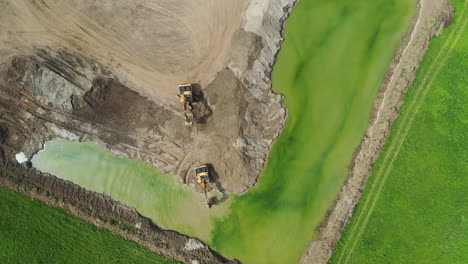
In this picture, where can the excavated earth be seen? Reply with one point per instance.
(108, 72)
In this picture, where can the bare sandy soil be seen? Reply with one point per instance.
(108, 72)
(432, 17)
(150, 45)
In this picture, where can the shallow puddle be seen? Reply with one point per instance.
(163, 198)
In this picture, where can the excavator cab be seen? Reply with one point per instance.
(202, 175)
(185, 93)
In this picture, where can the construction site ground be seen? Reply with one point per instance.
(108, 72)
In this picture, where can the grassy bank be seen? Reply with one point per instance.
(414, 208)
(32, 232)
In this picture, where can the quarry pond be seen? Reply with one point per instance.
(330, 67)
(163, 198)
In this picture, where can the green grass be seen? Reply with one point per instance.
(330, 67)
(32, 232)
(415, 206)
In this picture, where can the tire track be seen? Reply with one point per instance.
(411, 113)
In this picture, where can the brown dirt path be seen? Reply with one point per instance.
(432, 16)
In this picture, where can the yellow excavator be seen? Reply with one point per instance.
(186, 97)
(203, 177)
(185, 94)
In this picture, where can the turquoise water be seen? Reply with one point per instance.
(330, 67)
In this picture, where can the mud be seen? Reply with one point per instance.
(26, 121)
(432, 17)
(101, 109)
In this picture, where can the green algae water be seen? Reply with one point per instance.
(163, 198)
(330, 67)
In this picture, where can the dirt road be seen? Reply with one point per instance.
(395, 147)
(432, 16)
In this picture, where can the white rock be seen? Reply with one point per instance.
(20, 157)
(193, 244)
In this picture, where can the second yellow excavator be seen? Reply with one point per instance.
(203, 177)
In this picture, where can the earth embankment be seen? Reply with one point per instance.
(99, 209)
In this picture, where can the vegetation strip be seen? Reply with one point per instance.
(33, 232)
(393, 150)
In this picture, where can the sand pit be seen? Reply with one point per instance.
(151, 46)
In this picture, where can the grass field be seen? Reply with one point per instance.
(32, 232)
(415, 206)
(330, 67)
